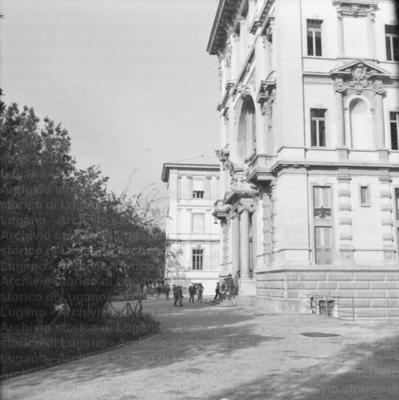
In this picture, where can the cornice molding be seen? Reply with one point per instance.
(262, 16)
(225, 16)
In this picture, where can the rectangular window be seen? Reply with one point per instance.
(198, 223)
(364, 195)
(323, 245)
(392, 42)
(314, 37)
(197, 259)
(394, 121)
(198, 188)
(318, 127)
(323, 231)
(198, 194)
(397, 204)
(397, 216)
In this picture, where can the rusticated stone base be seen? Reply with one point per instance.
(357, 293)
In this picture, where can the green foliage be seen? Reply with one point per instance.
(63, 234)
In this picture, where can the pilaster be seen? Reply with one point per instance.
(387, 217)
(345, 234)
(235, 243)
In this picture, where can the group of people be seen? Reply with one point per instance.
(225, 289)
(228, 288)
(156, 288)
(193, 289)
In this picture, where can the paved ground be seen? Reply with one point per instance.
(230, 352)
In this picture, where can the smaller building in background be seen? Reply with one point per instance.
(192, 231)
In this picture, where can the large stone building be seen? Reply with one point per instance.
(192, 231)
(309, 116)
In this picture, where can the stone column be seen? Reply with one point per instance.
(235, 262)
(207, 188)
(371, 34)
(243, 40)
(244, 243)
(340, 31)
(235, 56)
(189, 188)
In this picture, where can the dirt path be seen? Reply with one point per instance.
(214, 353)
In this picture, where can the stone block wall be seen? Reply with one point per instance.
(369, 294)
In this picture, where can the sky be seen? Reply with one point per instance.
(130, 80)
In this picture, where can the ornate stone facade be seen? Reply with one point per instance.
(309, 158)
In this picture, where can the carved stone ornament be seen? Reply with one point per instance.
(243, 90)
(358, 76)
(269, 30)
(322, 213)
(266, 95)
(223, 154)
(227, 54)
(220, 73)
(355, 8)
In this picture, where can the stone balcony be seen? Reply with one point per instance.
(259, 168)
(221, 210)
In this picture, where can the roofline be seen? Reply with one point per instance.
(216, 21)
(225, 14)
(186, 166)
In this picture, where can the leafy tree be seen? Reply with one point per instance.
(63, 233)
(36, 168)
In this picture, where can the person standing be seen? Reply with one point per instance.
(217, 292)
(191, 292)
(180, 295)
(200, 290)
(167, 291)
(229, 286)
(175, 295)
(145, 289)
(236, 283)
(159, 290)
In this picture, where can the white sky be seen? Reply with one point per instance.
(130, 79)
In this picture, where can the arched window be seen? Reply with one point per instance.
(362, 136)
(246, 137)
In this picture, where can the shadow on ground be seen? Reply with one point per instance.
(361, 372)
(185, 333)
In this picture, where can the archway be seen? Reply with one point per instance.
(360, 121)
(246, 135)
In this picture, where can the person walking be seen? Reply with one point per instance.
(191, 292)
(217, 292)
(167, 291)
(200, 290)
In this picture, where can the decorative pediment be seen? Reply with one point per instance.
(359, 75)
(359, 70)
